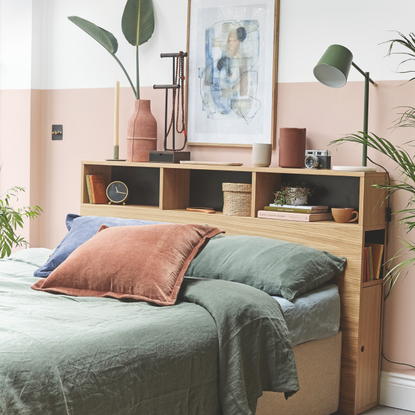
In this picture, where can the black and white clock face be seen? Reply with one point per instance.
(117, 192)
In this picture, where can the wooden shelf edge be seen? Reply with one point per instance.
(372, 283)
(279, 170)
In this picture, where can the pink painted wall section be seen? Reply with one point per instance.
(20, 121)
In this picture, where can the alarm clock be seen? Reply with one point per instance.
(117, 192)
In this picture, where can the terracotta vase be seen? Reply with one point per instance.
(141, 132)
(292, 147)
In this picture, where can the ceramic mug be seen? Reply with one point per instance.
(261, 154)
(343, 215)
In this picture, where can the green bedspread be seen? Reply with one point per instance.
(213, 352)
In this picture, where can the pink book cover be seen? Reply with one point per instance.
(300, 217)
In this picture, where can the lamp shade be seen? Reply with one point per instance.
(333, 68)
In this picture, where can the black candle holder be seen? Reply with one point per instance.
(169, 156)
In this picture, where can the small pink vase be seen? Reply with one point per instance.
(141, 132)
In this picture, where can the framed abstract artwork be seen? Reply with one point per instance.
(232, 72)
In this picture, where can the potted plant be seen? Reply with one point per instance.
(11, 219)
(292, 195)
(137, 25)
(404, 161)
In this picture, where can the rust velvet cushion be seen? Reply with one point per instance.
(145, 262)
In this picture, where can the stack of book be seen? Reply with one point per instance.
(372, 262)
(297, 213)
(97, 190)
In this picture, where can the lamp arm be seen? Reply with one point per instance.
(365, 109)
(364, 74)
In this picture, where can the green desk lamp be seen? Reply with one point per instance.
(332, 70)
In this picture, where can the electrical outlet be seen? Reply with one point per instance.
(57, 132)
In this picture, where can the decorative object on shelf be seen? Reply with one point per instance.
(317, 159)
(137, 26)
(116, 154)
(354, 168)
(343, 215)
(232, 72)
(403, 159)
(297, 208)
(116, 151)
(292, 147)
(212, 163)
(292, 195)
(201, 209)
(141, 132)
(11, 219)
(95, 184)
(117, 192)
(333, 69)
(298, 217)
(261, 154)
(237, 199)
(173, 154)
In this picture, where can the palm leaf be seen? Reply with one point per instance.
(102, 36)
(138, 21)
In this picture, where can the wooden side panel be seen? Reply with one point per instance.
(373, 201)
(367, 392)
(264, 185)
(174, 188)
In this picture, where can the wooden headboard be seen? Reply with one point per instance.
(165, 190)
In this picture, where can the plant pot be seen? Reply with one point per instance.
(141, 132)
(295, 198)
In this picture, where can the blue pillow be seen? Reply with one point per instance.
(81, 228)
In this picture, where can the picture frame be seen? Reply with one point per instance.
(232, 72)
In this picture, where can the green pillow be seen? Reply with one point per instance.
(274, 266)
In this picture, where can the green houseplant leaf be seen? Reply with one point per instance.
(103, 37)
(138, 21)
(11, 219)
(137, 25)
(405, 162)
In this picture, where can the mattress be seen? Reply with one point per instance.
(314, 315)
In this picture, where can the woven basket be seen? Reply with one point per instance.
(237, 199)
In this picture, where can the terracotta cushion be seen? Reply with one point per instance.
(145, 262)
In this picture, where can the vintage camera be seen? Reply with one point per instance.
(317, 159)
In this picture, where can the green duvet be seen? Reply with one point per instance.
(214, 352)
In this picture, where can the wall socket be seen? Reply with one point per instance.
(57, 132)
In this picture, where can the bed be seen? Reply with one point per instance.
(213, 349)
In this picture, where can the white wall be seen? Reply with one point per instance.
(69, 58)
(15, 44)
(307, 28)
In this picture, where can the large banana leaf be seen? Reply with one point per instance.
(103, 37)
(138, 21)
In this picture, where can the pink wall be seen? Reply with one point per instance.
(20, 121)
(51, 169)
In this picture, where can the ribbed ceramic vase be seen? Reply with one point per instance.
(141, 132)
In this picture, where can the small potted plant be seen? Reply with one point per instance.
(296, 195)
(10, 219)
